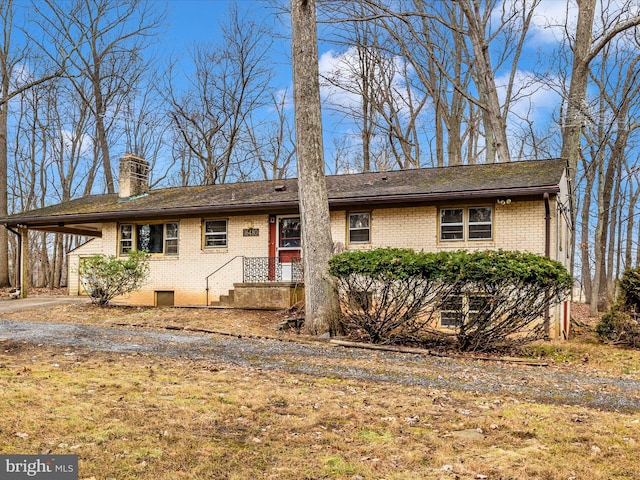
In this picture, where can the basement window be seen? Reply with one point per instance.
(463, 308)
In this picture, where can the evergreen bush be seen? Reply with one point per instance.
(491, 298)
(620, 325)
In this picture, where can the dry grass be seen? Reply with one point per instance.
(229, 321)
(140, 417)
(145, 417)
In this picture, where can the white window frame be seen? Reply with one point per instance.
(466, 224)
(479, 223)
(173, 240)
(453, 320)
(359, 229)
(126, 244)
(451, 224)
(215, 235)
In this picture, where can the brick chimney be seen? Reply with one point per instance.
(134, 176)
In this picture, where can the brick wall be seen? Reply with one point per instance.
(517, 226)
(185, 274)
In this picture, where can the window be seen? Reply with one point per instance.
(473, 223)
(215, 233)
(476, 304)
(452, 224)
(126, 239)
(480, 223)
(290, 233)
(149, 237)
(160, 238)
(171, 239)
(457, 309)
(451, 312)
(359, 227)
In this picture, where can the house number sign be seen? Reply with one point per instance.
(251, 232)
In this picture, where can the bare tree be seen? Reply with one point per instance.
(146, 128)
(633, 192)
(112, 35)
(10, 87)
(585, 49)
(272, 143)
(358, 74)
(609, 125)
(230, 82)
(321, 297)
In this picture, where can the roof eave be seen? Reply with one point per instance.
(444, 196)
(61, 220)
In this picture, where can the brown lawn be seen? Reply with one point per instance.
(132, 416)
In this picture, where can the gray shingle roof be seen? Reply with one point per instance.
(419, 185)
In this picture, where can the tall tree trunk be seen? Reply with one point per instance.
(44, 269)
(4, 198)
(101, 131)
(618, 254)
(5, 72)
(605, 190)
(584, 236)
(495, 123)
(573, 120)
(321, 298)
(606, 291)
(59, 261)
(631, 208)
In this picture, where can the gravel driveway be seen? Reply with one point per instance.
(543, 384)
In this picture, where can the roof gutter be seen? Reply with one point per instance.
(498, 192)
(95, 217)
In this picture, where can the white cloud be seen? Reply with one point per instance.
(552, 19)
(536, 99)
(339, 68)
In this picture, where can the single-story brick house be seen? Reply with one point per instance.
(244, 238)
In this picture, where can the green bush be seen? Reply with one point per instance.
(493, 297)
(105, 277)
(620, 324)
(518, 288)
(385, 292)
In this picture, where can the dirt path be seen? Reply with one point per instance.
(555, 384)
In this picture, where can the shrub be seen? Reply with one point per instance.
(385, 292)
(620, 324)
(619, 327)
(492, 298)
(517, 288)
(106, 277)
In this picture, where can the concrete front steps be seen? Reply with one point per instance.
(262, 296)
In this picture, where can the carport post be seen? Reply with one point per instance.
(24, 261)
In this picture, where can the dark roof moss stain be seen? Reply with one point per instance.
(410, 183)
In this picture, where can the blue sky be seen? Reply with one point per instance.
(192, 21)
(196, 20)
